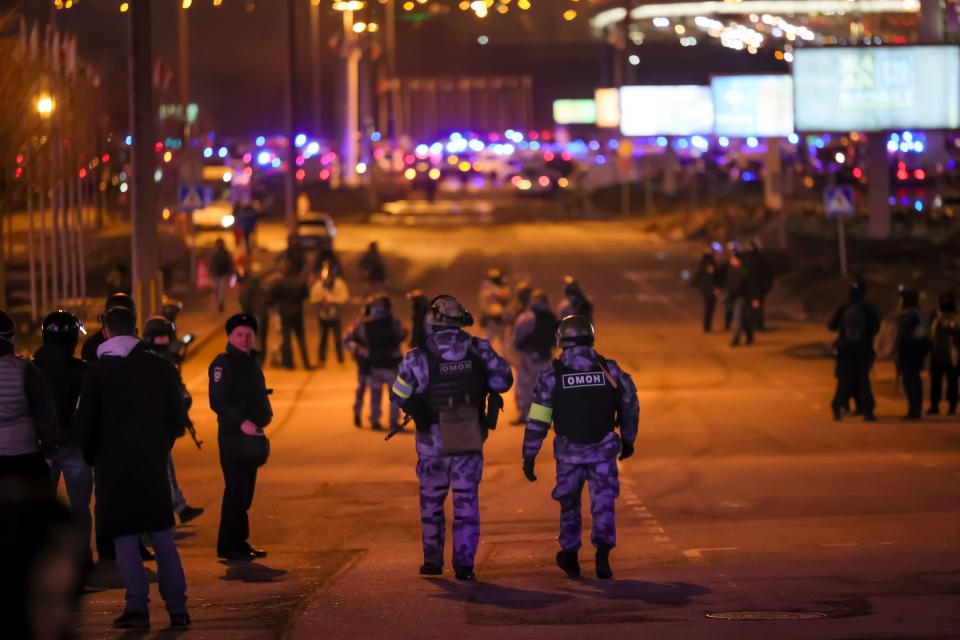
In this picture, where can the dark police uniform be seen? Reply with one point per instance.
(238, 392)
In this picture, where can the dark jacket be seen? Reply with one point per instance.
(857, 324)
(128, 418)
(913, 339)
(221, 264)
(706, 279)
(374, 271)
(253, 297)
(288, 294)
(238, 391)
(64, 374)
(90, 346)
(738, 282)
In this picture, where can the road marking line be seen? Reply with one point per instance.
(841, 544)
(655, 529)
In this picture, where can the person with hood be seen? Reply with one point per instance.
(586, 398)
(255, 302)
(288, 293)
(576, 302)
(222, 267)
(28, 415)
(380, 336)
(93, 342)
(443, 385)
(910, 349)
(740, 298)
(533, 340)
(64, 374)
(373, 269)
(129, 415)
(494, 296)
(160, 336)
(707, 281)
(352, 343)
(419, 308)
(240, 398)
(328, 295)
(945, 343)
(856, 323)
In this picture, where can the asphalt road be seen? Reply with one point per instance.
(744, 495)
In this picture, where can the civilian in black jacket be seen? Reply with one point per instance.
(129, 415)
(238, 395)
(92, 343)
(64, 374)
(910, 349)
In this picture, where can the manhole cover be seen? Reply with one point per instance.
(766, 615)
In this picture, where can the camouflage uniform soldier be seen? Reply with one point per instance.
(533, 339)
(444, 385)
(585, 397)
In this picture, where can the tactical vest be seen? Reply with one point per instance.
(585, 404)
(18, 435)
(541, 339)
(382, 343)
(455, 383)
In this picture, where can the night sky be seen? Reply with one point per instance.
(238, 56)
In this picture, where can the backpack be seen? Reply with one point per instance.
(853, 324)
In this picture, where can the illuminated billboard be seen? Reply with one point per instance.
(877, 88)
(575, 111)
(679, 110)
(608, 108)
(753, 105)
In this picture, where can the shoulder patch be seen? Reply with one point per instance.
(217, 374)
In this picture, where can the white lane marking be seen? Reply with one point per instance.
(841, 544)
(696, 555)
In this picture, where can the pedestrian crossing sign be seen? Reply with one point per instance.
(191, 198)
(839, 202)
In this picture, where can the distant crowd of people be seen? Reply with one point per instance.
(741, 278)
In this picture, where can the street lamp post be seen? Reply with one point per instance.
(351, 54)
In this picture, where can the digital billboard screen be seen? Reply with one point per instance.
(678, 110)
(575, 111)
(608, 108)
(753, 105)
(877, 88)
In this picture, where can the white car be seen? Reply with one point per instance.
(315, 228)
(216, 215)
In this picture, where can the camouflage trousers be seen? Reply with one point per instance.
(462, 474)
(604, 485)
(527, 372)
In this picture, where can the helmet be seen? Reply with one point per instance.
(7, 327)
(62, 328)
(158, 326)
(446, 311)
(575, 331)
(170, 308)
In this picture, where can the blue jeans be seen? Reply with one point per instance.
(173, 583)
(78, 479)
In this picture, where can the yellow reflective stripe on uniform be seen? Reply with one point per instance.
(540, 413)
(401, 388)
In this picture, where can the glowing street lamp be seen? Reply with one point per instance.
(45, 106)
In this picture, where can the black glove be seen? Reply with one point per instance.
(627, 450)
(528, 469)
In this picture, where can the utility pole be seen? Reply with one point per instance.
(316, 78)
(143, 200)
(392, 94)
(183, 60)
(289, 188)
(348, 152)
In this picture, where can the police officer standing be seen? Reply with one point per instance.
(238, 395)
(586, 397)
(576, 302)
(64, 374)
(856, 324)
(380, 336)
(533, 339)
(443, 385)
(707, 281)
(945, 343)
(910, 350)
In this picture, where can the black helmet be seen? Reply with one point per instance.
(447, 311)
(7, 326)
(62, 328)
(158, 326)
(170, 308)
(575, 331)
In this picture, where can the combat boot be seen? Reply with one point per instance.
(569, 562)
(604, 572)
(427, 569)
(464, 573)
